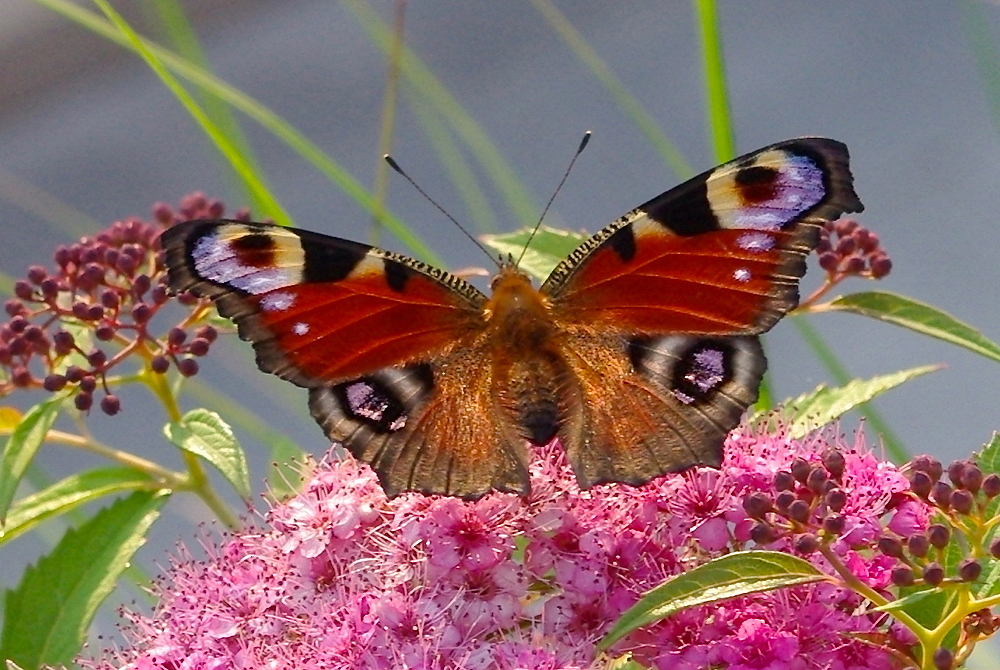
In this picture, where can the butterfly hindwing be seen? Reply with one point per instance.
(718, 255)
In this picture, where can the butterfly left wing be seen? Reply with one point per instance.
(660, 308)
(391, 349)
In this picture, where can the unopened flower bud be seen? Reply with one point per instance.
(918, 545)
(836, 499)
(806, 543)
(962, 501)
(938, 535)
(903, 576)
(890, 546)
(933, 574)
(969, 570)
(800, 469)
(757, 504)
(833, 461)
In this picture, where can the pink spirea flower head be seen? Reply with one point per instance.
(341, 577)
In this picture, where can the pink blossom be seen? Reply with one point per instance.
(341, 577)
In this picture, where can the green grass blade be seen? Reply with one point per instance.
(719, 118)
(269, 205)
(626, 101)
(256, 111)
(170, 16)
(423, 82)
(460, 172)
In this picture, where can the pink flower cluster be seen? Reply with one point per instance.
(344, 578)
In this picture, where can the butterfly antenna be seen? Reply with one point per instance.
(395, 166)
(569, 168)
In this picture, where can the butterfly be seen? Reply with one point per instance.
(640, 352)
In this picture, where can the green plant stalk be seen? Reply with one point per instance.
(388, 118)
(258, 112)
(460, 172)
(719, 119)
(170, 15)
(626, 101)
(166, 478)
(271, 207)
(423, 82)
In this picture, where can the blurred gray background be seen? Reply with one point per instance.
(88, 136)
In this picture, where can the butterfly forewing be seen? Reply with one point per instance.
(320, 309)
(719, 255)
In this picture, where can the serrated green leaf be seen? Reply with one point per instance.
(907, 602)
(68, 494)
(825, 404)
(548, 248)
(204, 433)
(47, 615)
(988, 459)
(731, 576)
(919, 317)
(21, 447)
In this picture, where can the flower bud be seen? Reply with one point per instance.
(806, 543)
(972, 478)
(836, 499)
(187, 367)
(903, 576)
(921, 484)
(83, 401)
(955, 470)
(763, 533)
(938, 535)
(833, 461)
(799, 511)
(969, 570)
(816, 480)
(991, 486)
(933, 574)
(159, 364)
(834, 524)
(54, 383)
(801, 469)
(944, 659)
(784, 500)
(756, 505)
(918, 545)
(962, 501)
(941, 493)
(890, 546)
(110, 404)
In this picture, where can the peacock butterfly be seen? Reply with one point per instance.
(639, 352)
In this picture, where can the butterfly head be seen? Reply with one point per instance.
(514, 297)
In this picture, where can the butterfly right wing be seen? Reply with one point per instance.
(391, 349)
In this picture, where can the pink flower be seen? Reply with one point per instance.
(344, 578)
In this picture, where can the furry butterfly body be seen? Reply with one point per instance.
(639, 352)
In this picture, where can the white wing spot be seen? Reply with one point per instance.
(300, 328)
(755, 241)
(741, 275)
(277, 302)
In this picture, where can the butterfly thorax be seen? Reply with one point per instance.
(528, 367)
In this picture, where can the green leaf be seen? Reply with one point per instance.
(21, 447)
(46, 617)
(824, 404)
(548, 247)
(918, 317)
(204, 433)
(68, 494)
(731, 576)
(988, 459)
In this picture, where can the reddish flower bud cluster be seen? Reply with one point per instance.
(806, 506)
(72, 325)
(968, 494)
(848, 248)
